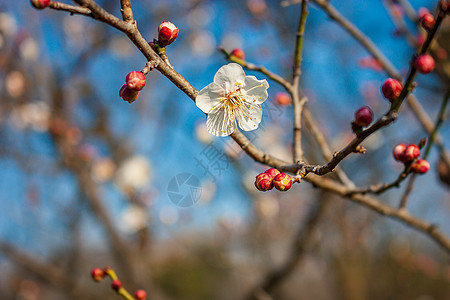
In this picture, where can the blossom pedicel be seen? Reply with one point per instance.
(232, 96)
(167, 33)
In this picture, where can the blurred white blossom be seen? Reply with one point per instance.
(134, 173)
(133, 219)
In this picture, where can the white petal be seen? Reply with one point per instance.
(220, 122)
(209, 97)
(229, 76)
(256, 90)
(249, 117)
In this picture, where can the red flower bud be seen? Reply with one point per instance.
(411, 152)
(427, 21)
(97, 274)
(239, 53)
(420, 166)
(272, 172)
(422, 11)
(399, 152)
(444, 5)
(167, 33)
(424, 63)
(116, 285)
(135, 80)
(391, 89)
(128, 94)
(263, 182)
(282, 182)
(363, 116)
(40, 4)
(283, 99)
(140, 295)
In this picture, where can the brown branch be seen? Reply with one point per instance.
(249, 66)
(127, 12)
(262, 157)
(302, 241)
(44, 270)
(296, 101)
(102, 15)
(382, 187)
(369, 202)
(70, 8)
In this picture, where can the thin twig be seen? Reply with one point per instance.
(382, 187)
(79, 10)
(296, 101)
(127, 12)
(275, 77)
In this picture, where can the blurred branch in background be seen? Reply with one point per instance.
(86, 178)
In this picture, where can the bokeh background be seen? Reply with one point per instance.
(85, 177)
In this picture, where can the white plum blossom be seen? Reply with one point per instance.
(232, 96)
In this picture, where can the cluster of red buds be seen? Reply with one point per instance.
(273, 178)
(98, 274)
(135, 81)
(40, 4)
(409, 155)
(363, 118)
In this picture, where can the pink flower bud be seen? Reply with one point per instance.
(444, 5)
(40, 4)
(363, 116)
(282, 182)
(411, 152)
(167, 33)
(140, 295)
(263, 182)
(97, 274)
(116, 285)
(422, 11)
(424, 63)
(420, 166)
(272, 172)
(283, 99)
(128, 94)
(135, 80)
(239, 53)
(391, 89)
(427, 21)
(399, 152)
